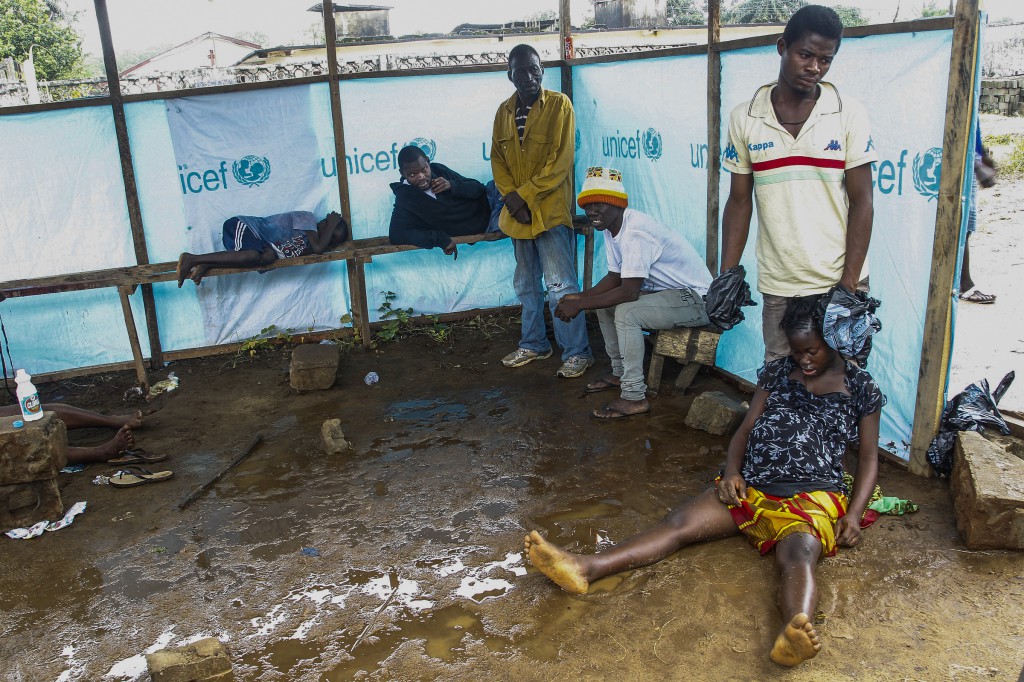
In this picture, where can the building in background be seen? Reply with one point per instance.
(208, 49)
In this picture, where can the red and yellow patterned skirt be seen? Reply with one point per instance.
(766, 519)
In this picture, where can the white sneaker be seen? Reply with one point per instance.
(574, 367)
(521, 356)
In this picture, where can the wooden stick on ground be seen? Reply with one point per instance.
(195, 494)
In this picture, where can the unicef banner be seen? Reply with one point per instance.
(648, 118)
(62, 210)
(906, 106)
(450, 117)
(253, 153)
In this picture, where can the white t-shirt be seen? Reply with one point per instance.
(800, 187)
(664, 259)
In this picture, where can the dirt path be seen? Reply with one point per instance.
(990, 338)
(400, 560)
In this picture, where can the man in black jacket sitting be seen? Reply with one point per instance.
(433, 203)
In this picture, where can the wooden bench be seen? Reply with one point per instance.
(355, 252)
(691, 346)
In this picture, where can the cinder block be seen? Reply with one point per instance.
(203, 661)
(33, 452)
(987, 485)
(313, 367)
(716, 413)
(24, 504)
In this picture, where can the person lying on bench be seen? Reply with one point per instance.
(433, 203)
(252, 241)
(655, 280)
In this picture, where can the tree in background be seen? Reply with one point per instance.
(850, 16)
(934, 9)
(763, 11)
(58, 49)
(686, 13)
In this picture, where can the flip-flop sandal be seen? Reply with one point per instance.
(972, 295)
(599, 385)
(133, 476)
(135, 456)
(611, 413)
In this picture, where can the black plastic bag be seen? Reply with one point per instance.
(849, 322)
(972, 409)
(726, 295)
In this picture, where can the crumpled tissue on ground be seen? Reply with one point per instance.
(43, 526)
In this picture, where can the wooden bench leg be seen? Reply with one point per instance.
(357, 294)
(133, 337)
(686, 377)
(654, 374)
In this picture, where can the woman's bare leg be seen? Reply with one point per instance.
(796, 556)
(122, 440)
(695, 520)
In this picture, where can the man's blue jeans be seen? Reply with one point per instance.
(549, 256)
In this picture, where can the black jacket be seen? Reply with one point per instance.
(426, 222)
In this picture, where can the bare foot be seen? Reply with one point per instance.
(184, 268)
(797, 642)
(198, 271)
(563, 568)
(132, 421)
(122, 440)
(620, 407)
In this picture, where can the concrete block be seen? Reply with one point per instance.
(203, 661)
(333, 437)
(716, 413)
(313, 367)
(24, 504)
(987, 485)
(33, 452)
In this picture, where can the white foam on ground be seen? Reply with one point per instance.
(134, 667)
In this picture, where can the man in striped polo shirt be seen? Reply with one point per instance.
(805, 154)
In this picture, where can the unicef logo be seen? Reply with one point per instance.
(429, 147)
(652, 144)
(927, 171)
(251, 170)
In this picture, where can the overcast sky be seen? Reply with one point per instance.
(139, 24)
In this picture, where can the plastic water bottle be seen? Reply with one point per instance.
(28, 396)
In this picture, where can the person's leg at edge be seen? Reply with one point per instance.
(77, 418)
(556, 250)
(776, 345)
(526, 282)
(122, 440)
(796, 556)
(697, 519)
(606, 321)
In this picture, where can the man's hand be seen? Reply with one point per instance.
(517, 208)
(848, 531)
(568, 307)
(439, 184)
(452, 249)
(732, 489)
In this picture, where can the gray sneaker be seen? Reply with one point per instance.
(574, 367)
(521, 356)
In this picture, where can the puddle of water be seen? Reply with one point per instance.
(428, 412)
(563, 528)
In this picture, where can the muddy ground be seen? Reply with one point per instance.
(401, 560)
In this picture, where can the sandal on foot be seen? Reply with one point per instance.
(607, 413)
(600, 384)
(133, 476)
(972, 295)
(136, 456)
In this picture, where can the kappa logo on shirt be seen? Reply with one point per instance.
(833, 146)
(730, 153)
(758, 146)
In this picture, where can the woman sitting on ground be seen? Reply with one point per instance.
(77, 418)
(782, 485)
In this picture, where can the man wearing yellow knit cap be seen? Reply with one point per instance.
(655, 280)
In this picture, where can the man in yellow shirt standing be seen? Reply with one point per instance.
(532, 154)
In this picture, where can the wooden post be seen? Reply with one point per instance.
(133, 337)
(566, 50)
(935, 347)
(128, 174)
(714, 131)
(356, 276)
